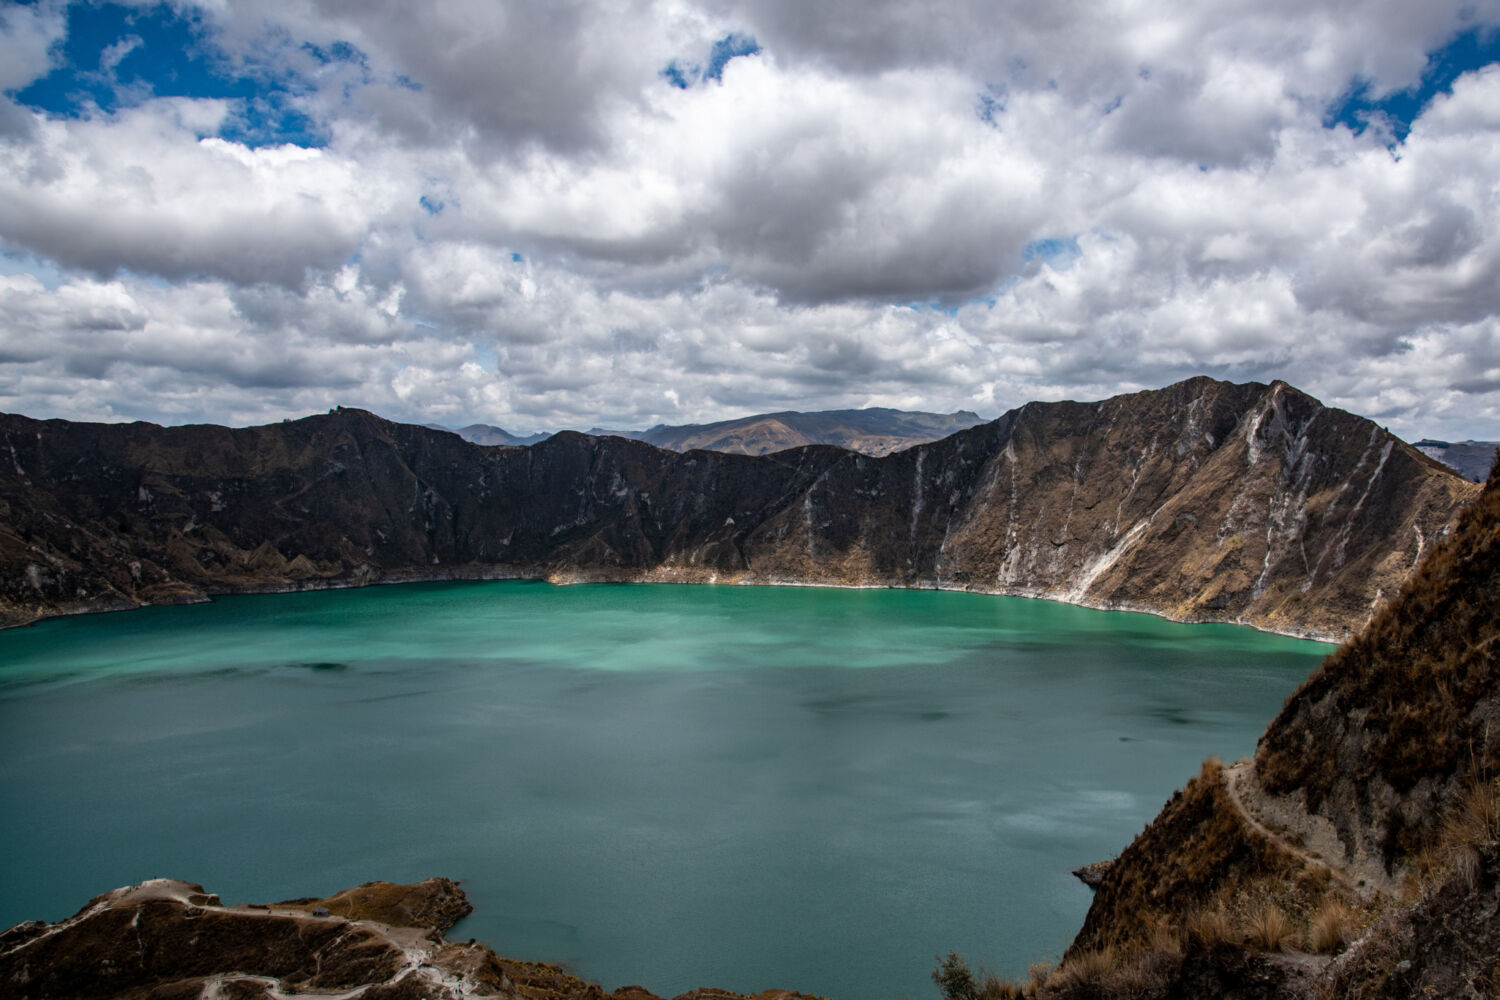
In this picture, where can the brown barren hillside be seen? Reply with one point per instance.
(1358, 854)
(1204, 501)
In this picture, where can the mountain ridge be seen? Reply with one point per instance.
(875, 430)
(1204, 501)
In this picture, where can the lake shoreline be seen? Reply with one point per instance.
(491, 574)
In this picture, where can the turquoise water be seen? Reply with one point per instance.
(672, 786)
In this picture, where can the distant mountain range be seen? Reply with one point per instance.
(1204, 501)
(1472, 459)
(489, 435)
(874, 431)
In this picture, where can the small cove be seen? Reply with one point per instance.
(668, 785)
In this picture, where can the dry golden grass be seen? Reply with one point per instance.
(1038, 976)
(1331, 927)
(1208, 928)
(992, 987)
(1472, 823)
(1269, 929)
(1092, 966)
(1165, 940)
(1475, 820)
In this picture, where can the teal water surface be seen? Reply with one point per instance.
(666, 785)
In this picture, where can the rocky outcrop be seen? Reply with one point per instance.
(171, 940)
(1204, 501)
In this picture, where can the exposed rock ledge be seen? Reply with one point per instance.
(170, 940)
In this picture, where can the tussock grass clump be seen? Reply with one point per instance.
(1092, 973)
(1473, 823)
(1209, 928)
(1038, 976)
(1107, 973)
(1332, 927)
(1269, 929)
(1475, 820)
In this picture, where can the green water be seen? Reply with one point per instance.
(671, 786)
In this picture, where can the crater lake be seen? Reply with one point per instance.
(675, 786)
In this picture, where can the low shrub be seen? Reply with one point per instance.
(957, 981)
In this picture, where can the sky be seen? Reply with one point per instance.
(573, 213)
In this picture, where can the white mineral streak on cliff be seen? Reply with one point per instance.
(1340, 553)
(1253, 445)
(1102, 565)
(1385, 453)
(1286, 515)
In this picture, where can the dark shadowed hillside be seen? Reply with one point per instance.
(1202, 501)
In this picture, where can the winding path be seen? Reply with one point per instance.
(1315, 841)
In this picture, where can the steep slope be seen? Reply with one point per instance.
(1202, 501)
(1399, 721)
(1375, 791)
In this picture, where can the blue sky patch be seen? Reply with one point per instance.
(115, 57)
(731, 46)
(1356, 109)
(683, 75)
(1058, 252)
(991, 103)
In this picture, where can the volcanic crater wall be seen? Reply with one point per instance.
(1204, 501)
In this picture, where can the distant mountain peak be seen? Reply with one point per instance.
(874, 430)
(1471, 459)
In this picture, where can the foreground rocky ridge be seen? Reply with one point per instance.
(171, 940)
(1204, 501)
(1358, 854)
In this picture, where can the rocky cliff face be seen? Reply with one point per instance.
(1202, 501)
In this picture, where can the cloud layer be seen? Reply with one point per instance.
(546, 213)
